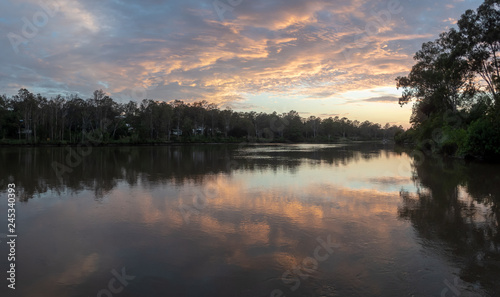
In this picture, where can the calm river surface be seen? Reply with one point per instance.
(245, 220)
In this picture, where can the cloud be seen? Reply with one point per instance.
(382, 99)
(331, 115)
(182, 50)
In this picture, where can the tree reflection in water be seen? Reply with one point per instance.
(105, 166)
(272, 202)
(456, 208)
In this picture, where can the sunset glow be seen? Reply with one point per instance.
(322, 58)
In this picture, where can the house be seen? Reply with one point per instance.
(199, 130)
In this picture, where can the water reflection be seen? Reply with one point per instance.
(456, 208)
(32, 168)
(231, 220)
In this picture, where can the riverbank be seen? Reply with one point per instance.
(432, 151)
(114, 143)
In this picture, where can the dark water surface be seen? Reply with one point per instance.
(275, 220)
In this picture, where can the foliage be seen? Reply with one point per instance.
(483, 139)
(455, 88)
(34, 119)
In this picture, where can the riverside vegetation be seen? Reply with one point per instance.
(455, 87)
(27, 118)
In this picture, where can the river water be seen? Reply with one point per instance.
(250, 220)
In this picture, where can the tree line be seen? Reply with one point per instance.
(34, 119)
(455, 88)
(176, 164)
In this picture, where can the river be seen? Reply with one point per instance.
(250, 220)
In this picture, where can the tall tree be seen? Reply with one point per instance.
(479, 40)
(438, 80)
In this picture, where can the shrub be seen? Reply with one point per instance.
(483, 139)
(453, 141)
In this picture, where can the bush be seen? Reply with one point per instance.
(453, 141)
(483, 139)
(408, 136)
(237, 132)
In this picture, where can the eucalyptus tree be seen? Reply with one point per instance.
(38, 117)
(313, 124)
(227, 115)
(4, 111)
(328, 127)
(293, 126)
(163, 119)
(146, 114)
(479, 40)
(75, 115)
(213, 113)
(437, 81)
(455, 86)
(179, 108)
(263, 124)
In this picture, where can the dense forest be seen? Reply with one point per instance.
(27, 118)
(455, 87)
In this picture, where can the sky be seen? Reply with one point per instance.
(317, 57)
